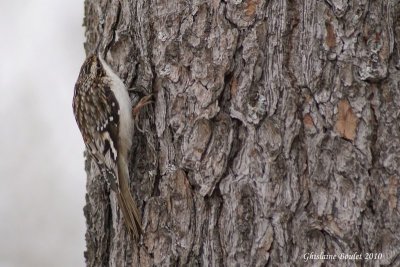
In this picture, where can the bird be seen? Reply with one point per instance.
(105, 117)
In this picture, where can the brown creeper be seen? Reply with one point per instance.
(103, 112)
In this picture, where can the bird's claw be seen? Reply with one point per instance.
(142, 102)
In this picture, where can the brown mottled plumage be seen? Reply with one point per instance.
(103, 112)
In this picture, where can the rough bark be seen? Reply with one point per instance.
(274, 132)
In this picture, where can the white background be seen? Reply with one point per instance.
(42, 182)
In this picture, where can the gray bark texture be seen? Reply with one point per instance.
(274, 132)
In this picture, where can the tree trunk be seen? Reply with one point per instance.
(273, 138)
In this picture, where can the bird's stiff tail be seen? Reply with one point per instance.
(126, 202)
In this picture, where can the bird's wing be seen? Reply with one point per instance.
(100, 122)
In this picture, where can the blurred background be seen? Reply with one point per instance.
(42, 181)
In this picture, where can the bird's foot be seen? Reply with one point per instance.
(143, 102)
